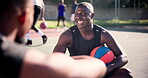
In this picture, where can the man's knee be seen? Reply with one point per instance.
(125, 73)
(120, 73)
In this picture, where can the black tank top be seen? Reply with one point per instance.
(81, 46)
(11, 58)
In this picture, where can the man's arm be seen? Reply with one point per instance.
(64, 7)
(65, 39)
(58, 65)
(121, 59)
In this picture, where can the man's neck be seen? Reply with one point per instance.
(11, 38)
(87, 27)
(9, 35)
(87, 30)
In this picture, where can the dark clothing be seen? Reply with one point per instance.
(37, 12)
(61, 18)
(81, 46)
(61, 10)
(11, 58)
(120, 73)
(73, 8)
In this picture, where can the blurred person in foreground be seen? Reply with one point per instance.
(19, 61)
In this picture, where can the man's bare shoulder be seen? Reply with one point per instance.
(66, 34)
(66, 37)
(64, 5)
(105, 32)
(105, 35)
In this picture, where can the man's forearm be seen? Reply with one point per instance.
(117, 63)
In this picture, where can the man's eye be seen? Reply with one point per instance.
(83, 13)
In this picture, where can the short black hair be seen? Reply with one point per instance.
(8, 5)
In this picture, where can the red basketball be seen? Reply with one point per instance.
(43, 25)
(103, 53)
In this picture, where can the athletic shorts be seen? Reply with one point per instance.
(61, 18)
(37, 12)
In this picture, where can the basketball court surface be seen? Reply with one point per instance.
(135, 44)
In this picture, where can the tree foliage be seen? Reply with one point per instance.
(107, 3)
(137, 3)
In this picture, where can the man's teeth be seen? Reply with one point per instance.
(80, 21)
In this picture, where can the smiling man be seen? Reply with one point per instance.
(82, 38)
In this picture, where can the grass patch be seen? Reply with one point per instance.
(112, 22)
(115, 22)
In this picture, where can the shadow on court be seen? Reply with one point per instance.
(36, 45)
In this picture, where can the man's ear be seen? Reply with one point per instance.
(22, 18)
(92, 15)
